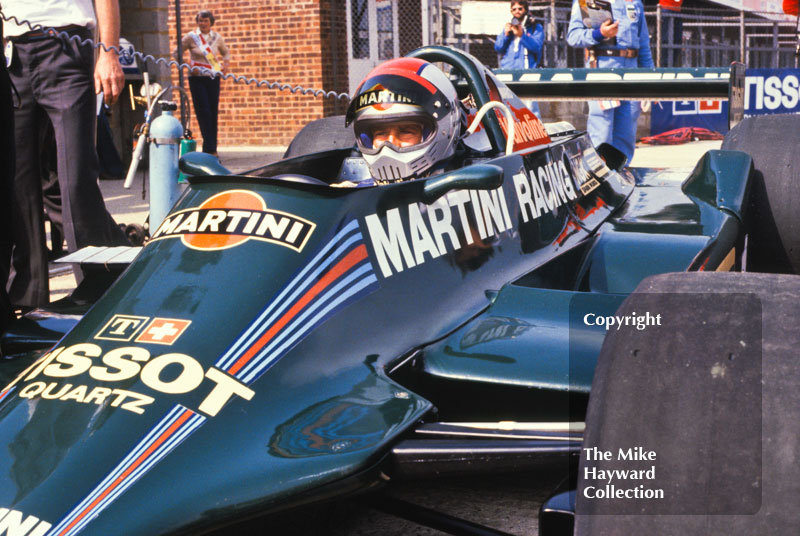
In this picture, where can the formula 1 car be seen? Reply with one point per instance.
(280, 343)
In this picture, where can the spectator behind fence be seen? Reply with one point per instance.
(520, 42)
(622, 40)
(56, 80)
(206, 49)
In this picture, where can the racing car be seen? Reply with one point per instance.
(280, 343)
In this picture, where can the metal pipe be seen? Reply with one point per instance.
(658, 35)
(424, 458)
(180, 45)
(741, 36)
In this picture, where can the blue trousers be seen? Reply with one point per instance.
(205, 97)
(616, 126)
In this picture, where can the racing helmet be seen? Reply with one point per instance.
(413, 93)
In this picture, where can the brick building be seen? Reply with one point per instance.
(319, 44)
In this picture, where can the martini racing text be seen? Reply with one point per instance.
(398, 245)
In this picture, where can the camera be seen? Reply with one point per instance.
(525, 21)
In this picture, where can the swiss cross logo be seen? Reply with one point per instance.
(122, 328)
(163, 331)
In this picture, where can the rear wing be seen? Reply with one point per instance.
(632, 84)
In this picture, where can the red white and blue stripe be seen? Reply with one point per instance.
(4, 394)
(176, 426)
(339, 273)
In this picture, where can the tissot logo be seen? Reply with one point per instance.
(158, 330)
(121, 328)
(230, 218)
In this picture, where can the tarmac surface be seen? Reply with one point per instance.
(508, 503)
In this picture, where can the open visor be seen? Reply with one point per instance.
(402, 132)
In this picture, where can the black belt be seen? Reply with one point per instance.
(37, 35)
(617, 52)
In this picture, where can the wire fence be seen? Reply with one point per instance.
(690, 38)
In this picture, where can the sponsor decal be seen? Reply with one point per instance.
(163, 331)
(158, 331)
(170, 432)
(121, 328)
(56, 377)
(409, 235)
(382, 98)
(544, 189)
(230, 218)
(15, 523)
(528, 130)
(431, 230)
(588, 168)
(696, 107)
(339, 273)
(771, 91)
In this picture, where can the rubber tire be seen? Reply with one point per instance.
(324, 134)
(657, 392)
(773, 225)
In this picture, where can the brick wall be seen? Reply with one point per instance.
(286, 41)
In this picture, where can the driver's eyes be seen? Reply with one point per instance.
(410, 132)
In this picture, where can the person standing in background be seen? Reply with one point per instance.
(520, 43)
(620, 41)
(208, 58)
(57, 80)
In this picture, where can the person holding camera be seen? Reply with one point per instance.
(520, 43)
(208, 58)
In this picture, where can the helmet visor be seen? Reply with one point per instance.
(403, 133)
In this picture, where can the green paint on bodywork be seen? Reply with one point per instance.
(529, 337)
(721, 180)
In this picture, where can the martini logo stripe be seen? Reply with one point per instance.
(349, 261)
(304, 278)
(362, 280)
(7, 392)
(178, 424)
(281, 305)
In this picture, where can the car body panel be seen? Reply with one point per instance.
(243, 361)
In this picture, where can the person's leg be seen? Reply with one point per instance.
(624, 136)
(28, 285)
(600, 123)
(6, 190)
(67, 93)
(51, 192)
(213, 104)
(202, 107)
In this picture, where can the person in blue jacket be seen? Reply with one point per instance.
(621, 42)
(520, 43)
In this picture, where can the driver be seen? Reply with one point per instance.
(407, 120)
